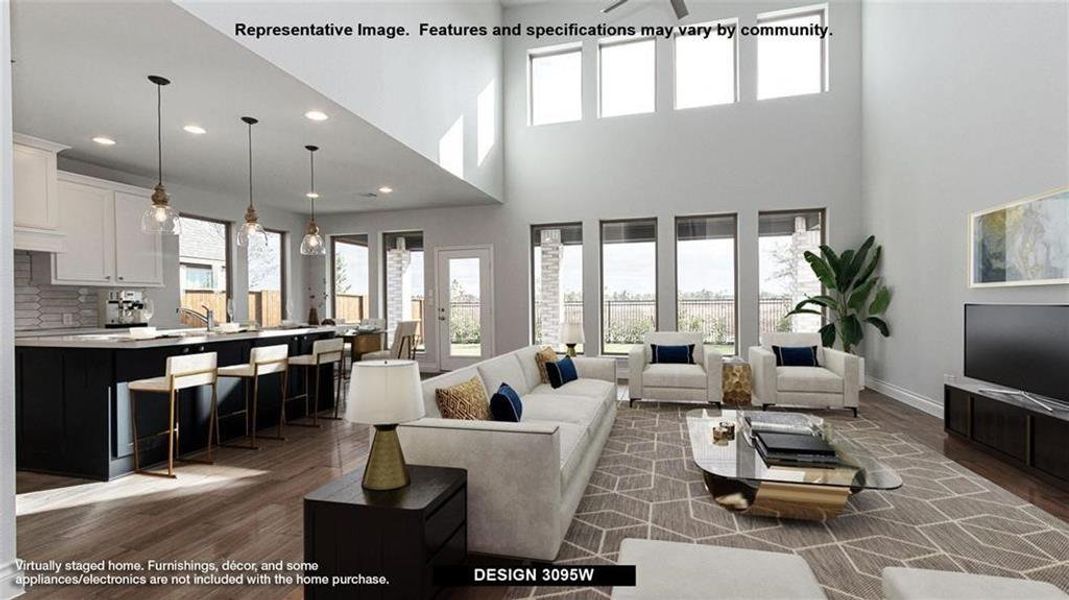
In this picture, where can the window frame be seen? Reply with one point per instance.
(790, 13)
(531, 263)
(283, 275)
(622, 41)
(334, 239)
(823, 240)
(734, 62)
(601, 279)
(547, 52)
(735, 267)
(228, 256)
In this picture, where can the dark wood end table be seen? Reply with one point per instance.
(400, 534)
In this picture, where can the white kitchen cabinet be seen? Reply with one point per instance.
(105, 245)
(137, 254)
(36, 210)
(87, 218)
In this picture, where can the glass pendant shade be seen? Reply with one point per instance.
(312, 244)
(250, 233)
(160, 216)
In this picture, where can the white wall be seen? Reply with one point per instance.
(8, 570)
(789, 153)
(965, 107)
(213, 205)
(412, 88)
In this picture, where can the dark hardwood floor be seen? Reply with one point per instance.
(248, 505)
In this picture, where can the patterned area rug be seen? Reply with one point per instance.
(943, 517)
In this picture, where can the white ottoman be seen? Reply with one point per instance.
(900, 583)
(696, 571)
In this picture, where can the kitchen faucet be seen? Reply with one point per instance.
(208, 318)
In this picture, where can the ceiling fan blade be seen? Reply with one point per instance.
(681, 8)
(614, 6)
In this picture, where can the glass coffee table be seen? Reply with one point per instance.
(740, 481)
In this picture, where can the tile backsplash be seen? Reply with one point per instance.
(42, 306)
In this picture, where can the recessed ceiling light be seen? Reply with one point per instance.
(386, 189)
(316, 115)
(312, 194)
(195, 129)
(104, 141)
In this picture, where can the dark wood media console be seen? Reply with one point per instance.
(1012, 428)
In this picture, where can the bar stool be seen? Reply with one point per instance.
(183, 372)
(324, 352)
(263, 360)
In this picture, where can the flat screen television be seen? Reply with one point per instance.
(1021, 346)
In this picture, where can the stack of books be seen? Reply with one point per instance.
(790, 442)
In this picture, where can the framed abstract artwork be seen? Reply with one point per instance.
(1021, 243)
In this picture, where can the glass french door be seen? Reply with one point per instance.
(465, 306)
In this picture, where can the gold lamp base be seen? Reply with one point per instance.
(571, 350)
(386, 468)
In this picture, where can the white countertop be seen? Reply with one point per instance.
(120, 339)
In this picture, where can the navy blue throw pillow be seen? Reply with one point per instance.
(677, 355)
(803, 356)
(561, 372)
(505, 404)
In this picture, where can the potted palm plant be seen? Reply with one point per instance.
(854, 296)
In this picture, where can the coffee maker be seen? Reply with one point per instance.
(124, 308)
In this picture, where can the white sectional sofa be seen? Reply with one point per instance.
(524, 479)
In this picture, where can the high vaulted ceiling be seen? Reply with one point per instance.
(80, 71)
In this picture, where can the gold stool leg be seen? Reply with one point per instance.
(133, 424)
(255, 403)
(171, 436)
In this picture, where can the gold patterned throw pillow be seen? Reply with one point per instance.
(546, 354)
(466, 401)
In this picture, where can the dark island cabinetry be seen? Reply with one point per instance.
(1012, 428)
(73, 403)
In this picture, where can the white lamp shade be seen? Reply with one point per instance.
(572, 333)
(384, 392)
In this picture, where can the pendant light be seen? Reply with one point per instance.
(161, 217)
(251, 232)
(312, 244)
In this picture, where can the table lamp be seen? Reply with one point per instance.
(384, 393)
(571, 333)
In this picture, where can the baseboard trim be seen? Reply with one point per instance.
(8, 587)
(896, 392)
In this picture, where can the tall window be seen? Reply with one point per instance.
(626, 76)
(787, 64)
(628, 283)
(705, 69)
(555, 84)
(267, 276)
(403, 278)
(705, 279)
(557, 284)
(786, 279)
(350, 259)
(203, 278)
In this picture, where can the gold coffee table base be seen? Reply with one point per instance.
(781, 500)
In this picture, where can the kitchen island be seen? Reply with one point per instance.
(72, 399)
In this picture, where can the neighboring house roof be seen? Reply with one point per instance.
(201, 240)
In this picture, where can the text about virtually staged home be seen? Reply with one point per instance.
(541, 299)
